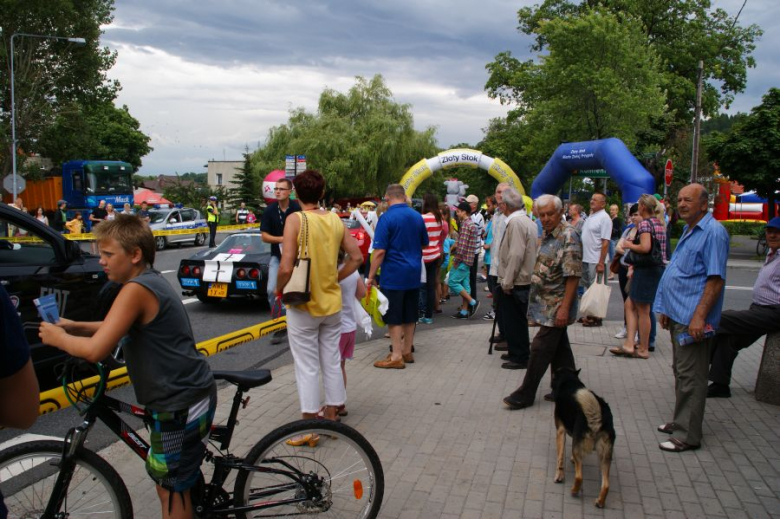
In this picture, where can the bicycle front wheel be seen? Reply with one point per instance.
(334, 472)
(29, 470)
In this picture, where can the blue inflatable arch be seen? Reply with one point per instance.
(609, 154)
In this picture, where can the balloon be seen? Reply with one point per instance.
(269, 182)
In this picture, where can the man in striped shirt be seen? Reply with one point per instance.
(689, 300)
(738, 329)
(464, 256)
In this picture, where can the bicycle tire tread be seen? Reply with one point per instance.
(88, 457)
(300, 427)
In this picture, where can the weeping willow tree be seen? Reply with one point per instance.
(361, 140)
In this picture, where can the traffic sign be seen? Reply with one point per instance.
(8, 183)
(668, 172)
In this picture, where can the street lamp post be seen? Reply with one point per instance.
(77, 41)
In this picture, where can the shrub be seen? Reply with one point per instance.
(733, 228)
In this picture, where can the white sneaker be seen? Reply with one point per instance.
(621, 334)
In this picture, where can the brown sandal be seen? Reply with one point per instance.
(675, 445)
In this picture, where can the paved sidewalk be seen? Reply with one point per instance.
(451, 449)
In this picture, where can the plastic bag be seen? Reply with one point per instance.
(595, 300)
(362, 319)
(375, 304)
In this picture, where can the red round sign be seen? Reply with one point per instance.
(668, 171)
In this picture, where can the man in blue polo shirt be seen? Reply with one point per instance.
(398, 242)
(689, 300)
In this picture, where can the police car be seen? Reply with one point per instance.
(35, 260)
(237, 267)
(177, 219)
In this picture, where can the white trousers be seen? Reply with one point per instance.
(314, 344)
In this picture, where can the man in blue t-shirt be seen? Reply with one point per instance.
(19, 399)
(398, 242)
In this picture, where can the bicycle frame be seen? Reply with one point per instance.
(107, 409)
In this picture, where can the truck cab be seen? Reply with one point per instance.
(86, 182)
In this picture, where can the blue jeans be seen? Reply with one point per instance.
(273, 270)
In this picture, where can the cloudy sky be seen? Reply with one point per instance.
(206, 79)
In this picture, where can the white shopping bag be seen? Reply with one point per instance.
(595, 300)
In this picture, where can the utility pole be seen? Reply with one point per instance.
(697, 124)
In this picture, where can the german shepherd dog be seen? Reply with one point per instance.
(585, 417)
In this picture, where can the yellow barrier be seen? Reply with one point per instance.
(54, 399)
(90, 237)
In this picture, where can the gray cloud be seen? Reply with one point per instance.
(207, 78)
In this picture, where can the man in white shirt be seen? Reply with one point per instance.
(596, 234)
(479, 223)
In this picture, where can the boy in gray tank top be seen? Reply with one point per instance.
(169, 376)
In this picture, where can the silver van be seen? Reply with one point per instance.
(174, 219)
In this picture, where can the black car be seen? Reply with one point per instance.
(237, 267)
(35, 260)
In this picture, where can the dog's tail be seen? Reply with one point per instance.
(590, 407)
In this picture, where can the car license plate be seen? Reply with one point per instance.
(217, 290)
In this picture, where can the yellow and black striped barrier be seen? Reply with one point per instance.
(54, 399)
(91, 237)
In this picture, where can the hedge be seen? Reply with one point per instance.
(734, 228)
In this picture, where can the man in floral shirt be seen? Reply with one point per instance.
(553, 299)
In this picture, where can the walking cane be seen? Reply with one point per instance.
(495, 319)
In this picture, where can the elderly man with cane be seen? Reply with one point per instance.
(517, 256)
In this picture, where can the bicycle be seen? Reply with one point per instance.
(761, 244)
(341, 475)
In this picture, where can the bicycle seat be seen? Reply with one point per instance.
(244, 379)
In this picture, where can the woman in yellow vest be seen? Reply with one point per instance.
(314, 327)
(213, 219)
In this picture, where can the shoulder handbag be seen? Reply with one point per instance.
(654, 258)
(614, 265)
(298, 289)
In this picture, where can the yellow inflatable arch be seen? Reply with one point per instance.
(496, 168)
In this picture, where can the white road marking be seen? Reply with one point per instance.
(728, 287)
(166, 271)
(188, 301)
(24, 438)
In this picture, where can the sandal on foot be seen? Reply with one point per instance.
(675, 445)
(321, 414)
(667, 428)
(621, 352)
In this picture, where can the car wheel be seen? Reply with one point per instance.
(203, 298)
(160, 242)
(200, 239)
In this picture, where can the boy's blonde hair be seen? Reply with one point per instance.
(130, 232)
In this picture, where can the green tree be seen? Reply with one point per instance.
(98, 131)
(250, 189)
(750, 152)
(192, 194)
(49, 74)
(682, 32)
(361, 140)
(599, 79)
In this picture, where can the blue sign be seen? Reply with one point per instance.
(190, 282)
(246, 285)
